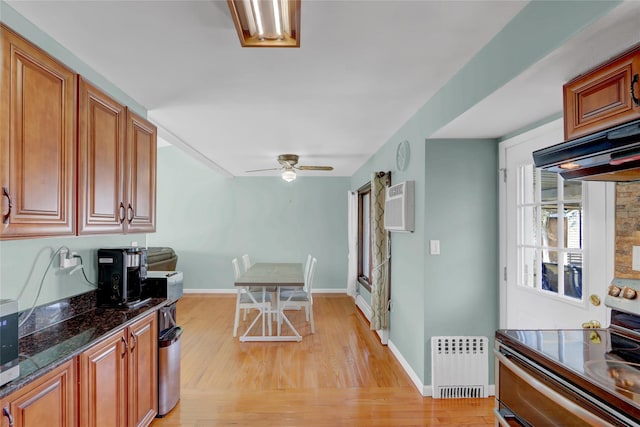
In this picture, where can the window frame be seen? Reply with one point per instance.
(364, 279)
(543, 249)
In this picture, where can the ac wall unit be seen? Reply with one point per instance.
(399, 207)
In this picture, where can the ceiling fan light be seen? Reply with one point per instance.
(266, 23)
(289, 175)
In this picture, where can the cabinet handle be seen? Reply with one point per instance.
(126, 346)
(130, 213)
(135, 341)
(5, 217)
(7, 414)
(121, 212)
(631, 90)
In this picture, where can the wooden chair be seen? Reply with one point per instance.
(249, 300)
(301, 298)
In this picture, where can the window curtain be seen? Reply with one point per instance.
(352, 237)
(380, 290)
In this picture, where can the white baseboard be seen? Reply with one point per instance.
(425, 391)
(233, 291)
(364, 307)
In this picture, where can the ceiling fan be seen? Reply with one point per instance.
(289, 165)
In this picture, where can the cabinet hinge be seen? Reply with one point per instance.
(504, 273)
(504, 174)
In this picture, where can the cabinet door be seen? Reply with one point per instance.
(141, 179)
(143, 371)
(101, 156)
(48, 401)
(37, 141)
(103, 384)
(602, 98)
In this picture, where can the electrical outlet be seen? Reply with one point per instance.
(68, 262)
(63, 257)
(635, 258)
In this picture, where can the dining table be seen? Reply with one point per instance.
(271, 277)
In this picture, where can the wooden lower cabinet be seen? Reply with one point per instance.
(48, 401)
(118, 378)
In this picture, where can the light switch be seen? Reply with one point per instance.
(434, 247)
(635, 258)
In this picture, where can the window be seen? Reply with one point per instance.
(550, 232)
(364, 236)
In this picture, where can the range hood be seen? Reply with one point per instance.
(609, 155)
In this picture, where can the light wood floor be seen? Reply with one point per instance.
(340, 376)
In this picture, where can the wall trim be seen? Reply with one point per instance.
(233, 291)
(425, 391)
(364, 307)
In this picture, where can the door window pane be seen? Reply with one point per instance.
(550, 232)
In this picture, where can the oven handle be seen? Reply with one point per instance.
(553, 395)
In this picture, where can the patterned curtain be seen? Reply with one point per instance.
(380, 253)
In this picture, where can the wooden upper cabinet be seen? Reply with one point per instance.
(604, 97)
(141, 181)
(116, 166)
(37, 141)
(101, 162)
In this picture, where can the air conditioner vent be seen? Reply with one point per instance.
(399, 207)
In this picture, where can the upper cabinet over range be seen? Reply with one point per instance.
(604, 97)
(43, 106)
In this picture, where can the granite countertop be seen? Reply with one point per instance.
(48, 348)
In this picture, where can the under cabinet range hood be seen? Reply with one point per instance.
(608, 155)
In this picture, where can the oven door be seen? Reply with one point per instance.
(527, 394)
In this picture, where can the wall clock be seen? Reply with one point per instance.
(403, 155)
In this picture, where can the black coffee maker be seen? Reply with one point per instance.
(121, 273)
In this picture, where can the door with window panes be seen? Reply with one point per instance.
(558, 251)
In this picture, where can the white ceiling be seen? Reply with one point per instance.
(363, 69)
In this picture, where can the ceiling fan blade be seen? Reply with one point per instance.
(262, 170)
(315, 168)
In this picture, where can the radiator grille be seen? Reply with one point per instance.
(459, 366)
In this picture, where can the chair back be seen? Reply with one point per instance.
(307, 266)
(246, 261)
(236, 268)
(308, 283)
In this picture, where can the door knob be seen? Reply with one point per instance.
(591, 324)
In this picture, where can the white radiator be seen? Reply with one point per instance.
(459, 367)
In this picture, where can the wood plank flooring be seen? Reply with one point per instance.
(339, 376)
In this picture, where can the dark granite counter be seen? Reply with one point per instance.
(48, 348)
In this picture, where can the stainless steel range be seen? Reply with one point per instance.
(581, 377)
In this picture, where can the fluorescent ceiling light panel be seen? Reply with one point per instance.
(266, 23)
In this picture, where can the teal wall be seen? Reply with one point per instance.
(209, 220)
(461, 210)
(421, 283)
(407, 315)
